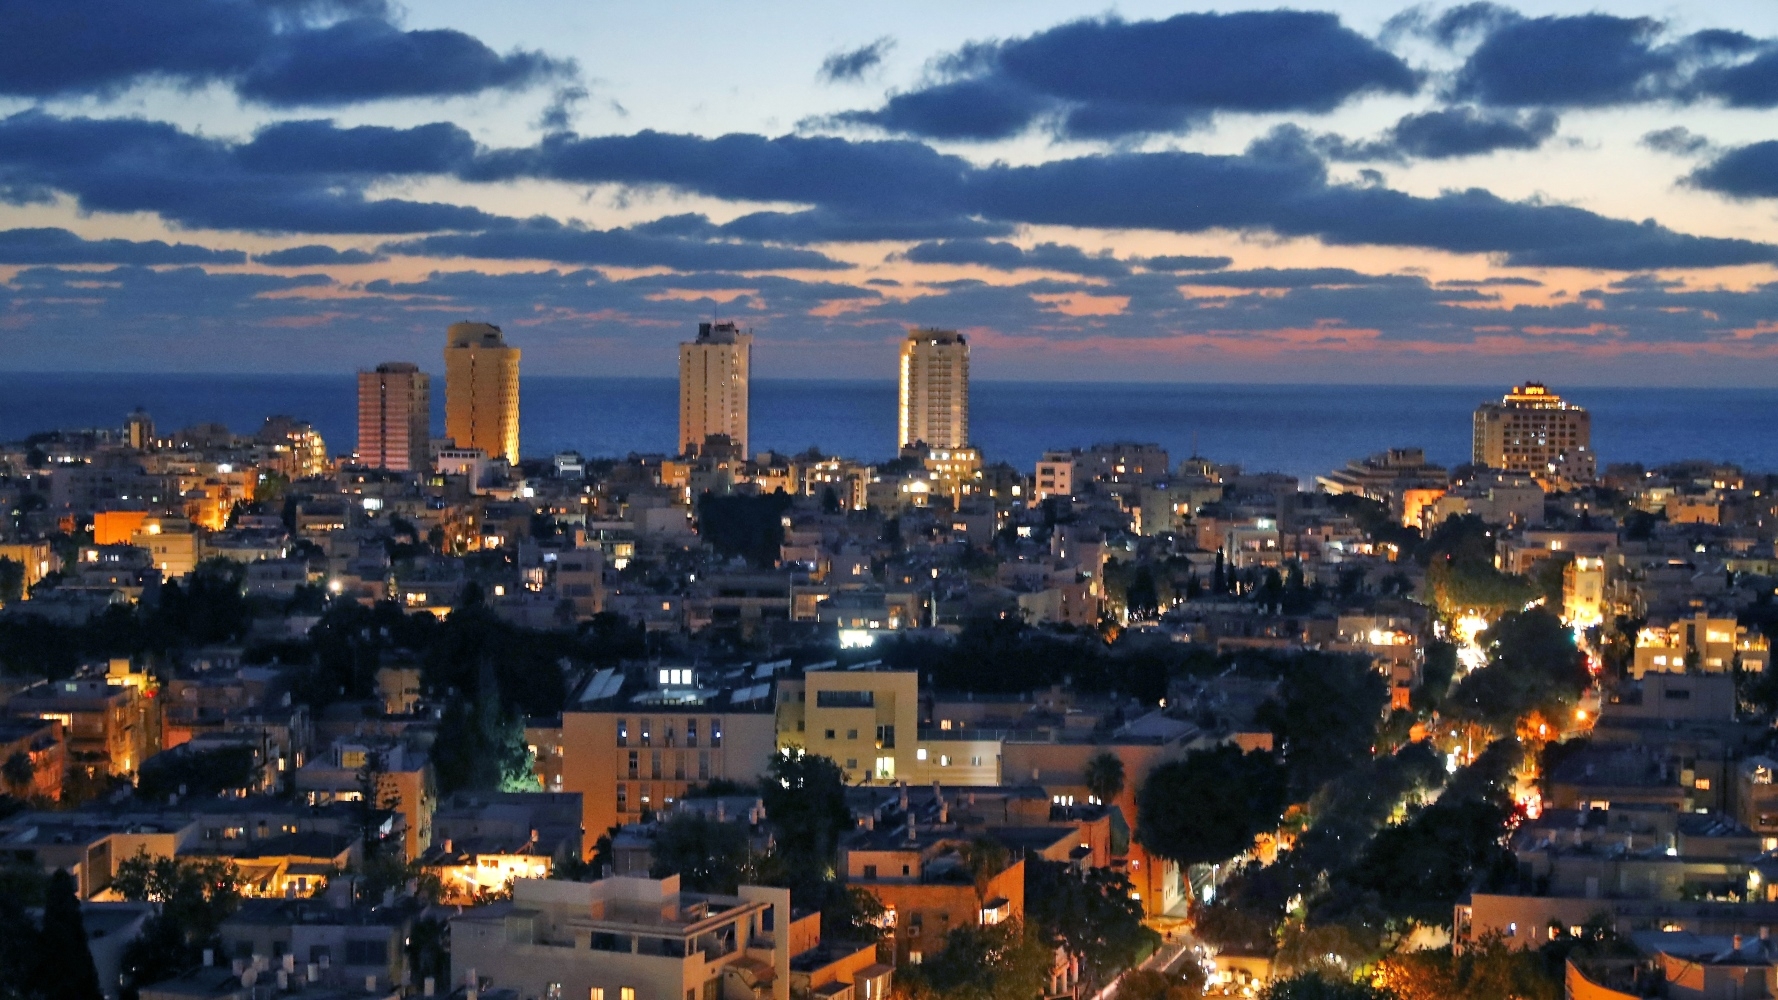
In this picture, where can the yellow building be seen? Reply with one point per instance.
(171, 543)
(1700, 644)
(867, 721)
(713, 387)
(956, 472)
(627, 753)
(1535, 432)
(482, 390)
(934, 389)
(1583, 591)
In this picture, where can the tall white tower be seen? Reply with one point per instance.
(713, 385)
(935, 389)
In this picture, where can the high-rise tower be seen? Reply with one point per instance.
(935, 389)
(1537, 433)
(713, 383)
(395, 417)
(482, 390)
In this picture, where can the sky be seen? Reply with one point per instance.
(1354, 192)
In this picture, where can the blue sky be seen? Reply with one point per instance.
(1355, 192)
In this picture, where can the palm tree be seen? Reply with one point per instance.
(1105, 777)
(984, 858)
(18, 774)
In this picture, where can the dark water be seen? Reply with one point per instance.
(1303, 430)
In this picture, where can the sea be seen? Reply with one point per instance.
(1302, 430)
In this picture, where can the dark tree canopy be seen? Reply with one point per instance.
(751, 527)
(65, 969)
(1532, 665)
(1325, 717)
(708, 856)
(1208, 807)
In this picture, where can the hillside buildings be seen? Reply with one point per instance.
(394, 417)
(713, 387)
(1535, 432)
(934, 389)
(482, 390)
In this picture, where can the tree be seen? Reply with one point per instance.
(984, 858)
(194, 897)
(1089, 913)
(748, 526)
(997, 962)
(1488, 969)
(805, 796)
(1533, 665)
(1325, 717)
(1105, 776)
(18, 774)
(12, 581)
(708, 856)
(65, 969)
(1208, 807)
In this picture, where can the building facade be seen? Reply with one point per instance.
(713, 386)
(934, 389)
(1537, 433)
(482, 390)
(395, 417)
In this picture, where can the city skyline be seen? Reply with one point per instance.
(1439, 194)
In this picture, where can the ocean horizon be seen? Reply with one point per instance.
(1302, 430)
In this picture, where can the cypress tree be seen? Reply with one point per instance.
(65, 969)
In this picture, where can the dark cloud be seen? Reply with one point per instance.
(296, 52)
(320, 147)
(1297, 277)
(1107, 78)
(1677, 140)
(1490, 282)
(1600, 60)
(59, 246)
(819, 225)
(1743, 172)
(315, 255)
(1447, 133)
(1009, 257)
(851, 64)
(546, 239)
(1184, 263)
(129, 165)
(1279, 185)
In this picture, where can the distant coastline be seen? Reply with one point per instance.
(1303, 430)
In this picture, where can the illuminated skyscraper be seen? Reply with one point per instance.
(935, 389)
(482, 390)
(1537, 433)
(395, 417)
(713, 378)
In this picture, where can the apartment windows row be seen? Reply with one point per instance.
(671, 731)
(679, 763)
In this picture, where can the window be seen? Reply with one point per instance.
(553, 991)
(851, 763)
(703, 765)
(915, 958)
(679, 766)
(944, 760)
(623, 798)
(920, 754)
(851, 734)
(635, 768)
(596, 993)
(886, 737)
(870, 871)
(647, 734)
(623, 732)
(716, 732)
(829, 734)
(626, 993)
(691, 732)
(845, 699)
(655, 764)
